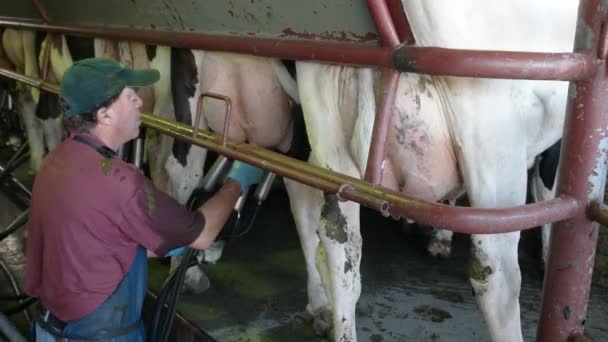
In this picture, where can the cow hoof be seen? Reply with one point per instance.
(440, 248)
(323, 323)
(196, 281)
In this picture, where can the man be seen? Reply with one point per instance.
(93, 217)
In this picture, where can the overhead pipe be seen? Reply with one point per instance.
(425, 60)
(377, 149)
(495, 64)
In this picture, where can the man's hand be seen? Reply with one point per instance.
(245, 174)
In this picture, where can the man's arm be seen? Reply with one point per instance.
(216, 212)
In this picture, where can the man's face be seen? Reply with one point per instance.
(126, 114)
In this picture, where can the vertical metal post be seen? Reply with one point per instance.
(390, 78)
(582, 175)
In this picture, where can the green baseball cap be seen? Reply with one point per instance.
(91, 82)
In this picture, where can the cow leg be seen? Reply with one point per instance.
(441, 243)
(53, 132)
(541, 192)
(28, 100)
(185, 177)
(306, 205)
(33, 130)
(496, 279)
(496, 177)
(441, 239)
(338, 258)
(338, 254)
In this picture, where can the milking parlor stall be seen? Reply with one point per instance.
(343, 282)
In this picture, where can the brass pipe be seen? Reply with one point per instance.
(53, 88)
(458, 219)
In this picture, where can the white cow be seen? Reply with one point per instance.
(447, 133)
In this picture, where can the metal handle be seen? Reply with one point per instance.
(199, 113)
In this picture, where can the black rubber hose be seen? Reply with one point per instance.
(19, 307)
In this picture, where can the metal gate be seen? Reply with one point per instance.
(580, 185)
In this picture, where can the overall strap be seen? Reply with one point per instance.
(104, 150)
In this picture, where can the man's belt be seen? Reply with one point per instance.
(54, 326)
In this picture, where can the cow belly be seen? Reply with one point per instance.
(420, 150)
(261, 110)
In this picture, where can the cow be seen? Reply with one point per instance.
(542, 187)
(261, 92)
(40, 112)
(447, 133)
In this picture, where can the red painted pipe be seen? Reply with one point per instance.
(581, 175)
(432, 61)
(390, 78)
(402, 25)
(381, 130)
(340, 53)
(495, 64)
(384, 23)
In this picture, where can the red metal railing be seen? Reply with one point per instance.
(568, 275)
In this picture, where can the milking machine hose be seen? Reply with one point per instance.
(165, 307)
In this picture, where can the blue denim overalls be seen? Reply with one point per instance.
(118, 319)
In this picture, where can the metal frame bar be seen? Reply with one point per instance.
(582, 176)
(568, 275)
(377, 150)
(519, 65)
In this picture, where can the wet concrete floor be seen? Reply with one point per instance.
(258, 290)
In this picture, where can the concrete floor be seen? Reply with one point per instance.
(258, 290)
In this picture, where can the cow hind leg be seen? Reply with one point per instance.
(338, 255)
(440, 244)
(493, 268)
(306, 203)
(338, 258)
(33, 130)
(53, 132)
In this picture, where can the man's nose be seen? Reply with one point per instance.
(138, 101)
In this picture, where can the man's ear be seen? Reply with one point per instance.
(104, 115)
